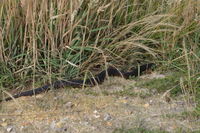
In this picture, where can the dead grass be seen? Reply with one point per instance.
(43, 40)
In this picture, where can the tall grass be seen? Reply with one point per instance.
(44, 39)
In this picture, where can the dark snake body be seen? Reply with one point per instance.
(98, 79)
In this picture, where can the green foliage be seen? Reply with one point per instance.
(6, 76)
(52, 39)
(172, 81)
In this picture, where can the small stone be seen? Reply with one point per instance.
(95, 112)
(107, 117)
(146, 105)
(55, 98)
(9, 129)
(151, 102)
(69, 105)
(96, 116)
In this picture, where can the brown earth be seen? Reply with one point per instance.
(117, 103)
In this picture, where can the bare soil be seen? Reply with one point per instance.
(117, 103)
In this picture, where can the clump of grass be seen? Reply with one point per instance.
(171, 81)
(62, 38)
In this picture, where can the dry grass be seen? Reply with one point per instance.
(43, 40)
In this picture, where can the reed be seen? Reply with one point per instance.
(41, 40)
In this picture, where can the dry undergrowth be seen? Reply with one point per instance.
(99, 109)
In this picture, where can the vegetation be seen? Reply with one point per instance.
(143, 130)
(137, 130)
(41, 40)
(161, 85)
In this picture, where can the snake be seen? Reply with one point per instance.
(92, 81)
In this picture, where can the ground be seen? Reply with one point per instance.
(114, 106)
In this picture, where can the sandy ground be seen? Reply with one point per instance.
(117, 103)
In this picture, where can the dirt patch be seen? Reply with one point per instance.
(117, 103)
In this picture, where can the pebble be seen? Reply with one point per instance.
(151, 102)
(58, 126)
(96, 114)
(69, 105)
(107, 117)
(9, 129)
